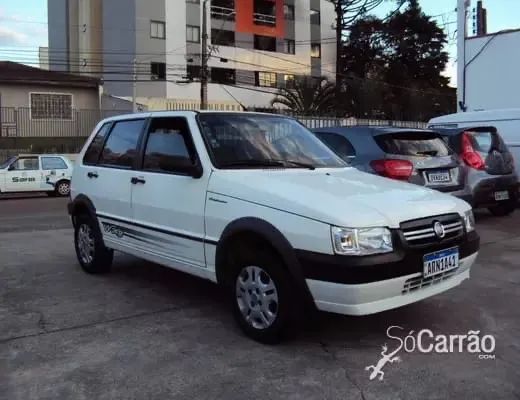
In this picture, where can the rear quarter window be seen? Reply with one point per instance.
(338, 143)
(418, 144)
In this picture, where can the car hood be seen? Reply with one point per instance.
(343, 197)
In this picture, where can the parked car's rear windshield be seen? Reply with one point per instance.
(418, 144)
(263, 141)
(484, 141)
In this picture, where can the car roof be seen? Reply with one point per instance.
(456, 131)
(476, 116)
(167, 113)
(373, 130)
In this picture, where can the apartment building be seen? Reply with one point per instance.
(255, 46)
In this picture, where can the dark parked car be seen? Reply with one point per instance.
(414, 155)
(490, 167)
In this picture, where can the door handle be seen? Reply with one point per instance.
(135, 180)
(92, 175)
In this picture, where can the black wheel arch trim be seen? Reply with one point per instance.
(274, 237)
(81, 201)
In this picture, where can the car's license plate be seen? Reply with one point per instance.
(439, 177)
(502, 195)
(440, 261)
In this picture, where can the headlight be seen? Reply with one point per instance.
(361, 242)
(469, 221)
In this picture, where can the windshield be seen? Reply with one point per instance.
(7, 162)
(263, 141)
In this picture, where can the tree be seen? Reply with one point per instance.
(347, 13)
(401, 58)
(307, 96)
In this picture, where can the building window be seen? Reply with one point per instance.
(222, 38)
(288, 81)
(288, 12)
(266, 43)
(192, 34)
(265, 79)
(315, 17)
(223, 9)
(157, 30)
(223, 75)
(315, 50)
(158, 71)
(264, 12)
(290, 46)
(193, 72)
(193, 1)
(51, 106)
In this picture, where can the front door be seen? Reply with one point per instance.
(23, 175)
(167, 204)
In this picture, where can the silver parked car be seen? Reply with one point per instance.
(414, 155)
(490, 167)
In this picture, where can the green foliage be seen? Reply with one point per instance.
(307, 96)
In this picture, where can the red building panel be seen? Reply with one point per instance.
(245, 21)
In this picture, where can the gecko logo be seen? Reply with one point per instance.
(426, 342)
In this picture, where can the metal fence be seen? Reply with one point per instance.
(20, 133)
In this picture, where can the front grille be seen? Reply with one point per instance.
(413, 284)
(421, 232)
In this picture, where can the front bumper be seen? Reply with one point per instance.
(370, 284)
(374, 297)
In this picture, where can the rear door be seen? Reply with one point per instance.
(487, 142)
(108, 168)
(54, 168)
(435, 165)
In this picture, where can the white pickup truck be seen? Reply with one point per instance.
(36, 173)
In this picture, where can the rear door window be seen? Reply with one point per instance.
(418, 144)
(121, 146)
(50, 163)
(338, 143)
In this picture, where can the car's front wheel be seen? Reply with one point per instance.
(264, 303)
(92, 254)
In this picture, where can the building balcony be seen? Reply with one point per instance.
(264, 19)
(225, 13)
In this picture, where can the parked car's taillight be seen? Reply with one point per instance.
(395, 169)
(469, 155)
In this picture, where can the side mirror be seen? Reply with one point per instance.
(182, 165)
(11, 167)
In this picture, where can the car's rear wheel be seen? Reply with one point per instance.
(92, 254)
(264, 302)
(62, 188)
(504, 209)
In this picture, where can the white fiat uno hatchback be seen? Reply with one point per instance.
(256, 203)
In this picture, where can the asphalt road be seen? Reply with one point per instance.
(147, 332)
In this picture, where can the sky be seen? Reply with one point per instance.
(23, 24)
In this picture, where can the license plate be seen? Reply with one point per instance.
(502, 195)
(439, 177)
(440, 261)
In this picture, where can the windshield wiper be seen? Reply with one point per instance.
(253, 163)
(298, 163)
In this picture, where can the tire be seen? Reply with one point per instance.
(62, 188)
(92, 254)
(502, 210)
(260, 285)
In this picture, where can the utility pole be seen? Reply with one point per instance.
(204, 59)
(134, 88)
(461, 53)
(339, 50)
